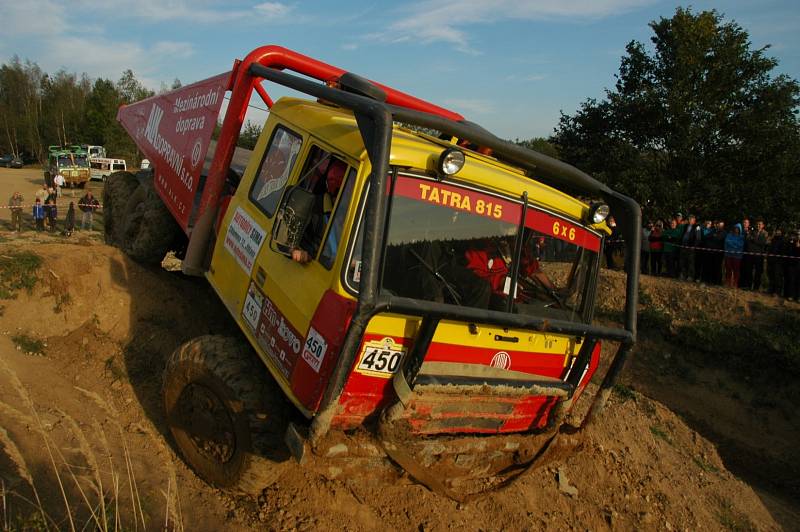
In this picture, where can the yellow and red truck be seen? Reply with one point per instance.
(404, 298)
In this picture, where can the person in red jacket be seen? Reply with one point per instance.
(656, 247)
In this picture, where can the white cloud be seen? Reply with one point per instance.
(198, 11)
(273, 9)
(36, 17)
(173, 49)
(468, 106)
(430, 21)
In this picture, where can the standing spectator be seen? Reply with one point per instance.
(671, 240)
(656, 248)
(51, 212)
(734, 245)
(746, 278)
(15, 205)
(611, 244)
(42, 194)
(791, 275)
(87, 204)
(38, 215)
(645, 257)
(775, 262)
(689, 240)
(717, 247)
(701, 254)
(757, 246)
(69, 220)
(58, 181)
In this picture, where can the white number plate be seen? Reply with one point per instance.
(252, 306)
(381, 359)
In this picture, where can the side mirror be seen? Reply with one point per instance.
(293, 217)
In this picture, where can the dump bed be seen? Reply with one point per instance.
(174, 131)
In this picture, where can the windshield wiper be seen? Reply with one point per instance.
(438, 276)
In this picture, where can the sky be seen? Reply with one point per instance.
(510, 66)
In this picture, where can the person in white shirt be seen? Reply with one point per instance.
(58, 181)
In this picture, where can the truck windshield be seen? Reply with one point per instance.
(457, 245)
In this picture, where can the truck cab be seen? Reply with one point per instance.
(396, 271)
(450, 239)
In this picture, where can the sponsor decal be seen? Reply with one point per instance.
(380, 358)
(276, 336)
(314, 350)
(501, 360)
(243, 239)
(173, 130)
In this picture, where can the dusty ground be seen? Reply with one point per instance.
(700, 436)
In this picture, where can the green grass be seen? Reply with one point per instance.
(28, 344)
(18, 271)
(660, 433)
(624, 392)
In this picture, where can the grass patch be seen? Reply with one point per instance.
(28, 344)
(705, 466)
(18, 271)
(732, 520)
(660, 433)
(624, 392)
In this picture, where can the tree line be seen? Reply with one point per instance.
(38, 109)
(697, 122)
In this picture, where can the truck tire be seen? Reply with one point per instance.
(116, 192)
(149, 230)
(225, 414)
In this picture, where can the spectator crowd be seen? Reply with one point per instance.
(741, 255)
(44, 211)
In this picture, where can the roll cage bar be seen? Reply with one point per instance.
(375, 119)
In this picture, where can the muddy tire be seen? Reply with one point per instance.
(148, 230)
(116, 192)
(225, 414)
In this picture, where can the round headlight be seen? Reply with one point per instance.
(598, 213)
(451, 161)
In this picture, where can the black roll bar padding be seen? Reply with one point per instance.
(413, 362)
(375, 125)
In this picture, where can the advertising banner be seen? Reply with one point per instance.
(173, 130)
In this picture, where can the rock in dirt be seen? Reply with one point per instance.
(563, 484)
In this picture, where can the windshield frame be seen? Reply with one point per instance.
(584, 314)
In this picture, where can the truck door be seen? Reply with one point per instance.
(284, 282)
(291, 276)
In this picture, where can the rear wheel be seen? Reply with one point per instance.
(149, 230)
(116, 193)
(224, 412)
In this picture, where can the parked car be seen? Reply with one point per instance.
(10, 161)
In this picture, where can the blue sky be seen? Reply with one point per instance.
(510, 66)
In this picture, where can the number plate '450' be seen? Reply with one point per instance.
(381, 358)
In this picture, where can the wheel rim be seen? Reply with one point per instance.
(207, 422)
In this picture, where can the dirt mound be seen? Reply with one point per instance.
(105, 326)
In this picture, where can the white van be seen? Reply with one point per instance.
(102, 167)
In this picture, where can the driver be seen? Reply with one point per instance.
(491, 262)
(326, 187)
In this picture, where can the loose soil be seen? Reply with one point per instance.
(700, 436)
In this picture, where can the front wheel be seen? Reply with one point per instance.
(225, 414)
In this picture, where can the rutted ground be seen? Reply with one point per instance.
(101, 328)
(107, 325)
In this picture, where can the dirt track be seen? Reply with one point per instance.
(108, 325)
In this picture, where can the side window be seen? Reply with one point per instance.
(277, 164)
(322, 176)
(336, 226)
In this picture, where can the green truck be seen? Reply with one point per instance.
(72, 162)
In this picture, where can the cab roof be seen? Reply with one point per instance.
(337, 127)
